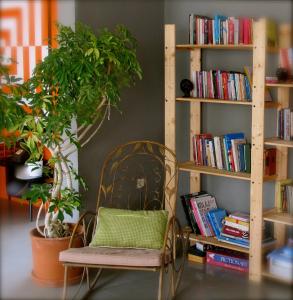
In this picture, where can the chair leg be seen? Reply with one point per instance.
(160, 291)
(173, 289)
(65, 283)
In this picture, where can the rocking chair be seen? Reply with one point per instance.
(137, 176)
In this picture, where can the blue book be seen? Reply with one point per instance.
(241, 243)
(217, 24)
(241, 157)
(228, 145)
(247, 88)
(215, 217)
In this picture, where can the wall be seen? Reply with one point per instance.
(142, 106)
(221, 119)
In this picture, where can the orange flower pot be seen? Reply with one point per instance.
(47, 270)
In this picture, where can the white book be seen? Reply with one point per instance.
(287, 122)
(213, 26)
(193, 79)
(217, 144)
(212, 153)
(235, 152)
(237, 226)
(191, 29)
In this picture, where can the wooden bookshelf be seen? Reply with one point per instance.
(278, 142)
(210, 240)
(256, 178)
(214, 47)
(278, 217)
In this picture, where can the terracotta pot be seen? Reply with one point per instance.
(47, 270)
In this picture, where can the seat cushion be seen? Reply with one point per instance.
(112, 256)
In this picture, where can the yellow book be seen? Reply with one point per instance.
(197, 259)
(237, 221)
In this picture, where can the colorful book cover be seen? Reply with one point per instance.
(201, 205)
(216, 217)
(241, 216)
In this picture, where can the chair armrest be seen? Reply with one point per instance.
(87, 222)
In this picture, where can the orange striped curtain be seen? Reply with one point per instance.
(26, 29)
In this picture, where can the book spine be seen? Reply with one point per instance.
(229, 259)
(211, 221)
(225, 265)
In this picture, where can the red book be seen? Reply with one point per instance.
(197, 219)
(235, 232)
(210, 31)
(246, 31)
(270, 161)
(224, 265)
(230, 31)
(225, 85)
(240, 31)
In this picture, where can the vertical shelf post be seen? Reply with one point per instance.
(282, 152)
(195, 118)
(257, 147)
(170, 129)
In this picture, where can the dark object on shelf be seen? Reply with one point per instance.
(282, 74)
(186, 87)
(20, 156)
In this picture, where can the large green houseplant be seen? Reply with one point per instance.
(82, 80)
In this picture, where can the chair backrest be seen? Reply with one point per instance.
(139, 175)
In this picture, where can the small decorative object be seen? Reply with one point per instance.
(186, 87)
(282, 74)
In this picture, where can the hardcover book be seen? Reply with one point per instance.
(216, 218)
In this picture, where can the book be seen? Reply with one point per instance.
(237, 221)
(201, 205)
(228, 259)
(270, 161)
(233, 241)
(241, 216)
(281, 201)
(216, 217)
(185, 200)
(234, 232)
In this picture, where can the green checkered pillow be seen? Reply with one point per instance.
(130, 229)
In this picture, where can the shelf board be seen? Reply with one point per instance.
(278, 142)
(191, 167)
(221, 101)
(281, 85)
(278, 217)
(210, 240)
(214, 47)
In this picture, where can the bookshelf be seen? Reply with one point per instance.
(257, 105)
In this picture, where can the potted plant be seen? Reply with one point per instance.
(82, 80)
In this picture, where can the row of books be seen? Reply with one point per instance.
(218, 256)
(285, 124)
(230, 152)
(284, 190)
(220, 30)
(217, 84)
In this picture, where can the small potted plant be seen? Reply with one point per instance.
(82, 80)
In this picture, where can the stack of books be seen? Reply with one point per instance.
(217, 84)
(285, 124)
(230, 152)
(220, 30)
(236, 229)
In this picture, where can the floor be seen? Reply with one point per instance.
(198, 282)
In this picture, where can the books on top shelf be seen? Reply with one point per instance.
(220, 30)
(230, 152)
(217, 84)
(285, 124)
(284, 191)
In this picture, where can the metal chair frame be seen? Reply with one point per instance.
(160, 194)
